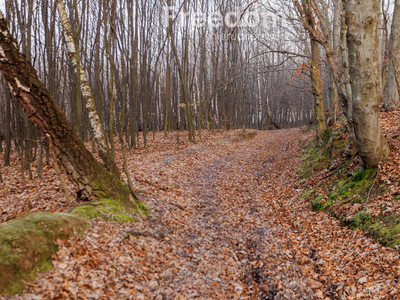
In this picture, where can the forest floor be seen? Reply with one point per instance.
(229, 223)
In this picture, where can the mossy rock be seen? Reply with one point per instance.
(110, 210)
(27, 243)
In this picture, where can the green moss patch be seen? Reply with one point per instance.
(342, 185)
(318, 205)
(110, 210)
(26, 246)
(386, 230)
(318, 154)
(360, 219)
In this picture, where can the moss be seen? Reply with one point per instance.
(107, 209)
(116, 189)
(359, 176)
(345, 186)
(310, 128)
(316, 157)
(317, 204)
(327, 204)
(142, 207)
(359, 200)
(343, 181)
(333, 196)
(360, 185)
(386, 230)
(361, 218)
(26, 246)
(310, 159)
(344, 189)
(365, 175)
(339, 144)
(326, 136)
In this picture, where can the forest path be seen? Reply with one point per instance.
(230, 224)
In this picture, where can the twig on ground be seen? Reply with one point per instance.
(370, 189)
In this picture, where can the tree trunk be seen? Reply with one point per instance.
(362, 38)
(316, 78)
(97, 127)
(8, 127)
(93, 181)
(336, 54)
(343, 89)
(392, 82)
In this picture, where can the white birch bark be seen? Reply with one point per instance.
(98, 130)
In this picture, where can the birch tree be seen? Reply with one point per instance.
(97, 127)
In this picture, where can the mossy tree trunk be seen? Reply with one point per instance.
(362, 20)
(91, 178)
